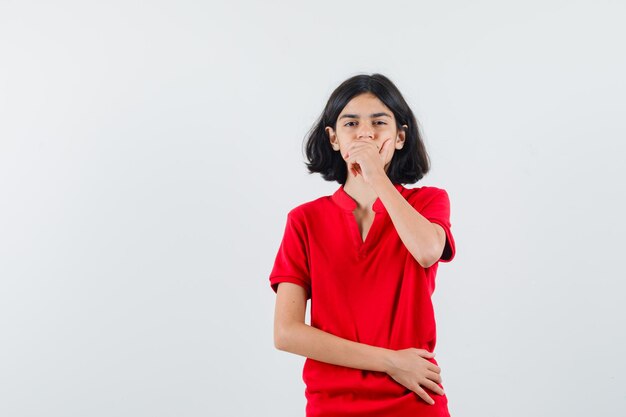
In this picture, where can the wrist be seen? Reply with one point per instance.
(388, 360)
(380, 181)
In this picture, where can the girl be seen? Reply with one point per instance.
(366, 256)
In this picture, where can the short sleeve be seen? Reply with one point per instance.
(291, 263)
(437, 210)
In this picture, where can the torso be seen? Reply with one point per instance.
(374, 293)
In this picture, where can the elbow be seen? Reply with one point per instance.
(286, 336)
(427, 263)
(281, 337)
(434, 250)
(429, 259)
(278, 340)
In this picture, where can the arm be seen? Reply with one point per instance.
(291, 334)
(423, 239)
(408, 367)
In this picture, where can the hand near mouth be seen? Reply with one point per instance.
(366, 158)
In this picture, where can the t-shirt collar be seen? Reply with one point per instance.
(343, 200)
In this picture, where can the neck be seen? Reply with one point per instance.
(360, 191)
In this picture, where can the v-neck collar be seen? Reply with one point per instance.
(347, 203)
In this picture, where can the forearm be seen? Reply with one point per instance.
(416, 232)
(311, 342)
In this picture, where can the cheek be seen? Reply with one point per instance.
(391, 131)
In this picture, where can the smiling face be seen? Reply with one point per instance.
(365, 117)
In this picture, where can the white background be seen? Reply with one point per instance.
(149, 153)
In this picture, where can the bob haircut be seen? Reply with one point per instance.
(408, 164)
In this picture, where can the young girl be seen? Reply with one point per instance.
(366, 256)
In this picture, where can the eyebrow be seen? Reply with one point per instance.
(356, 116)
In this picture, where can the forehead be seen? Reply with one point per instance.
(365, 104)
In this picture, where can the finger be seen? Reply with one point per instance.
(362, 143)
(355, 168)
(434, 368)
(425, 353)
(388, 148)
(434, 387)
(385, 147)
(434, 376)
(424, 395)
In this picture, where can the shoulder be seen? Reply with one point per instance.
(309, 209)
(424, 194)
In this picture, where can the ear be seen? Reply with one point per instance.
(401, 137)
(332, 136)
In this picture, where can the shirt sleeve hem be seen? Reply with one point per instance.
(274, 281)
(449, 249)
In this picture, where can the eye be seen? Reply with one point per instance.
(349, 123)
(381, 122)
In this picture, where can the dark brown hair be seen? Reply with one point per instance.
(408, 164)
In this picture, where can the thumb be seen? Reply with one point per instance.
(385, 148)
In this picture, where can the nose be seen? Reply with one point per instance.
(365, 132)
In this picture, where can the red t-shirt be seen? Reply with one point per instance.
(370, 291)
